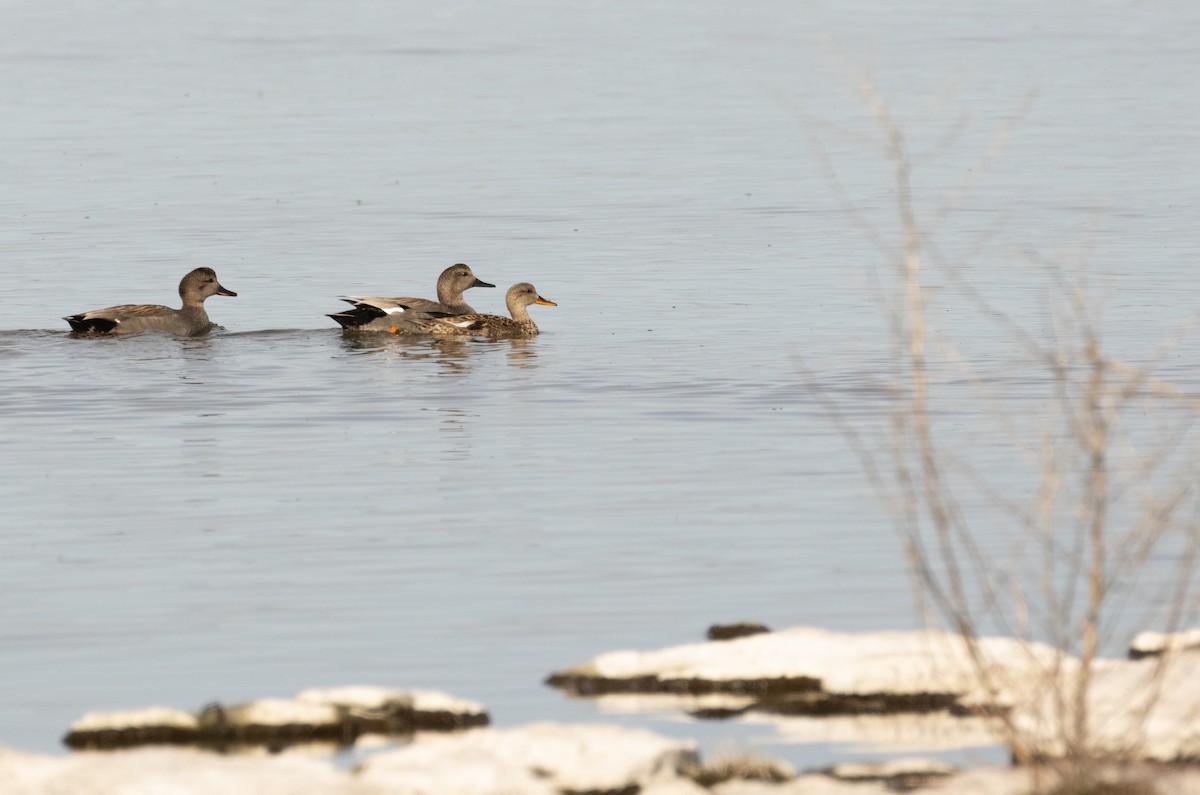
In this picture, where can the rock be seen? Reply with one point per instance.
(807, 671)
(458, 770)
(384, 710)
(178, 771)
(151, 726)
(541, 759)
(274, 721)
(739, 630)
(338, 715)
(1149, 644)
(1137, 710)
(556, 757)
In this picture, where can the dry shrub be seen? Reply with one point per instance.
(1108, 495)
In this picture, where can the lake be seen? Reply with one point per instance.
(280, 506)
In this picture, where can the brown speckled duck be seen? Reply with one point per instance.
(372, 313)
(520, 325)
(190, 321)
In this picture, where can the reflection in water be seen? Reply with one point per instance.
(368, 342)
(196, 348)
(455, 419)
(522, 353)
(412, 346)
(453, 354)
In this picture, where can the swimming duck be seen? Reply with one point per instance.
(520, 325)
(372, 313)
(189, 321)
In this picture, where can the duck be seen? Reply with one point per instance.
(519, 326)
(372, 313)
(190, 321)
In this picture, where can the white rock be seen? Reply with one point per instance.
(136, 719)
(1148, 643)
(1143, 709)
(460, 770)
(898, 663)
(578, 758)
(437, 701)
(171, 771)
(282, 712)
(371, 697)
(363, 696)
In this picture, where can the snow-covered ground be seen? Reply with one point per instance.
(1142, 713)
(538, 759)
(1146, 709)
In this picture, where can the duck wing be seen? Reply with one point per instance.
(107, 319)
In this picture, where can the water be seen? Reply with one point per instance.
(278, 506)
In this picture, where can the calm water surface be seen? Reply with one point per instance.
(278, 506)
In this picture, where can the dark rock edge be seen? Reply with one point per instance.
(216, 729)
(800, 695)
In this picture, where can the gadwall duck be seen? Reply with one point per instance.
(372, 313)
(520, 325)
(189, 321)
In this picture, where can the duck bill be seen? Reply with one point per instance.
(222, 291)
(544, 302)
(479, 283)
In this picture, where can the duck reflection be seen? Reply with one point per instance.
(522, 353)
(453, 355)
(456, 355)
(359, 343)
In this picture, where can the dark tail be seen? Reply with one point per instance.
(90, 325)
(358, 315)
